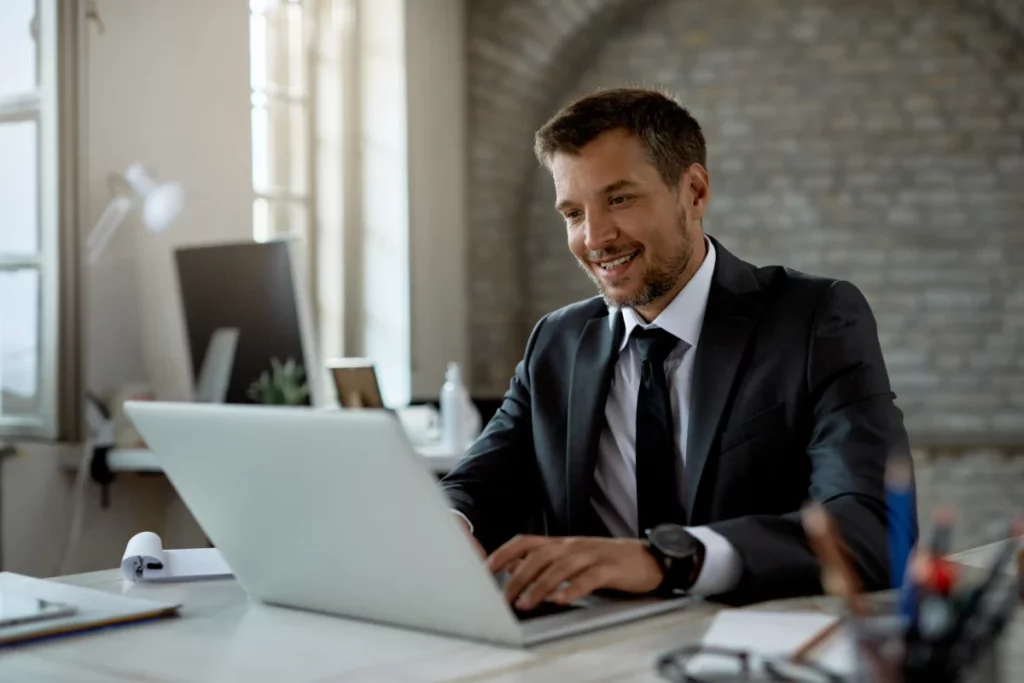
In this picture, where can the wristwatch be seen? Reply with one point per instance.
(680, 554)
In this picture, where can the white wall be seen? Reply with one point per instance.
(436, 85)
(167, 85)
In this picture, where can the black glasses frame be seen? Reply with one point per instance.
(672, 666)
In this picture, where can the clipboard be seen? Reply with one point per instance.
(92, 609)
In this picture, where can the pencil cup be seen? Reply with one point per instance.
(878, 647)
(881, 656)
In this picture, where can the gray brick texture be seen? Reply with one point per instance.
(877, 141)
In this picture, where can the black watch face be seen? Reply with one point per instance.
(673, 540)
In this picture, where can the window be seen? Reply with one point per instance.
(30, 185)
(302, 119)
(279, 39)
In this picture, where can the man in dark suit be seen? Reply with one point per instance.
(669, 431)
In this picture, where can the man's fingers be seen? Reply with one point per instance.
(530, 568)
(515, 549)
(595, 578)
(563, 568)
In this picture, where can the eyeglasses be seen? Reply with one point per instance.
(700, 664)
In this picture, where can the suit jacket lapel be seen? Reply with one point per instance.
(596, 354)
(732, 312)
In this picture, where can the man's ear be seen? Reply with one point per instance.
(696, 190)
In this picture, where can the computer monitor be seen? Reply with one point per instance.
(251, 289)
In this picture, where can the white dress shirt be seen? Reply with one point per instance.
(614, 497)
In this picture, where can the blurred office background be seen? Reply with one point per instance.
(880, 141)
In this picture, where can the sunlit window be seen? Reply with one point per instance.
(281, 161)
(28, 217)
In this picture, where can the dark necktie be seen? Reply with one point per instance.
(657, 499)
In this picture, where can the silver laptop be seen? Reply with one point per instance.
(333, 511)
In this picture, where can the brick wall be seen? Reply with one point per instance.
(983, 485)
(876, 141)
(523, 55)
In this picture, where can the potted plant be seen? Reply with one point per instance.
(284, 384)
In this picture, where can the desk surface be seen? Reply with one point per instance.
(222, 636)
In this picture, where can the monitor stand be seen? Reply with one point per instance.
(215, 375)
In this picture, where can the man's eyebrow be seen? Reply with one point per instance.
(616, 186)
(607, 189)
(563, 205)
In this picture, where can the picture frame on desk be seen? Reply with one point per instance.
(355, 382)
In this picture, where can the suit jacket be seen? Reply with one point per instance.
(791, 401)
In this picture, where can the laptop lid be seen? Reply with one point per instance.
(329, 511)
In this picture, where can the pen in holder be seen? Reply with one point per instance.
(884, 638)
(940, 627)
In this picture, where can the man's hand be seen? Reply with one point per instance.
(539, 566)
(472, 539)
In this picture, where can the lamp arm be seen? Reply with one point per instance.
(113, 215)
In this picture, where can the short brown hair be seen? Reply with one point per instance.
(670, 135)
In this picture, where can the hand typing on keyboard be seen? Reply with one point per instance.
(564, 569)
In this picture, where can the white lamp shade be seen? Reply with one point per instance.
(162, 206)
(161, 203)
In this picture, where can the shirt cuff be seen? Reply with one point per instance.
(468, 523)
(722, 565)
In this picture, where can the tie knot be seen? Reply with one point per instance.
(654, 344)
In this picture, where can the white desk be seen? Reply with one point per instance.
(142, 460)
(222, 637)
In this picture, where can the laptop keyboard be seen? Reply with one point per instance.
(544, 609)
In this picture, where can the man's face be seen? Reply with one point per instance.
(629, 230)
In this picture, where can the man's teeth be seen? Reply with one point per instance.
(617, 262)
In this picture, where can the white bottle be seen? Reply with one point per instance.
(453, 411)
(472, 420)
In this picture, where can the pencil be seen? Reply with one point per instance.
(837, 576)
(1020, 574)
(1018, 531)
(816, 640)
(899, 498)
(942, 539)
(969, 613)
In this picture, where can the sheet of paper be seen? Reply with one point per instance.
(190, 564)
(771, 634)
(146, 560)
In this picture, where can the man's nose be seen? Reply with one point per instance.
(600, 232)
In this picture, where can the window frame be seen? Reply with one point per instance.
(304, 99)
(328, 97)
(42, 106)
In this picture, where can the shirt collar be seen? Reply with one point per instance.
(684, 315)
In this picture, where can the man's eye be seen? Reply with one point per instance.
(618, 200)
(573, 215)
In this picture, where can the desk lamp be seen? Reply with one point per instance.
(161, 203)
